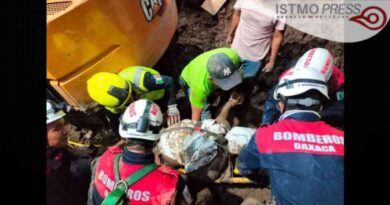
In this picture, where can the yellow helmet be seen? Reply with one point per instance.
(108, 89)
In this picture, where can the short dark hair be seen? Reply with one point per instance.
(313, 94)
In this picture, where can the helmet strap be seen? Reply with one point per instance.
(121, 94)
(143, 122)
(283, 100)
(305, 102)
(134, 125)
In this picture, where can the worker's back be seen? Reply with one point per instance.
(305, 161)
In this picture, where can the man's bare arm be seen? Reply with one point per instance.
(275, 45)
(233, 26)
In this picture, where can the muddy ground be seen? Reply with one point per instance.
(198, 31)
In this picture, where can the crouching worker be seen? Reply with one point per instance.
(211, 70)
(116, 91)
(129, 174)
(67, 176)
(304, 156)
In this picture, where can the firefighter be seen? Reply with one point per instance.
(304, 156)
(117, 167)
(321, 60)
(116, 91)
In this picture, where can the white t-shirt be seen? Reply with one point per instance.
(255, 30)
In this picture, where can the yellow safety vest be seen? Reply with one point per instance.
(135, 75)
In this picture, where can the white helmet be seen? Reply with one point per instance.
(51, 113)
(319, 59)
(142, 119)
(299, 81)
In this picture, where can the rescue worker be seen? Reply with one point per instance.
(302, 154)
(321, 60)
(217, 68)
(67, 176)
(116, 91)
(139, 127)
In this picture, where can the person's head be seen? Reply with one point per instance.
(140, 125)
(319, 59)
(223, 72)
(301, 89)
(56, 132)
(109, 90)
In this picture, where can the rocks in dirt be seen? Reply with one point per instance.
(82, 136)
(89, 130)
(88, 135)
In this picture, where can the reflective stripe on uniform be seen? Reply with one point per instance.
(137, 77)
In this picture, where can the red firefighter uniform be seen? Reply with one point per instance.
(157, 187)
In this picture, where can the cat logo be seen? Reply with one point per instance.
(151, 8)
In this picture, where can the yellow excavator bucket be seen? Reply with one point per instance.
(88, 36)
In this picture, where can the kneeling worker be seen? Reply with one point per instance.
(217, 68)
(116, 91)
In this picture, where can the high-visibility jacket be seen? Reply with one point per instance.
(135, 75)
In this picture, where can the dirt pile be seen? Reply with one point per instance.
(89, 132)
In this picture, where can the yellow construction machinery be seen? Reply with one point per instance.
(89, 36)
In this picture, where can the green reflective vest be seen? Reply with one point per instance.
(135, 75)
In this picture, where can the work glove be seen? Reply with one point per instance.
(173, 115)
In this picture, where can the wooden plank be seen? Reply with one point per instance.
(213, 6)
